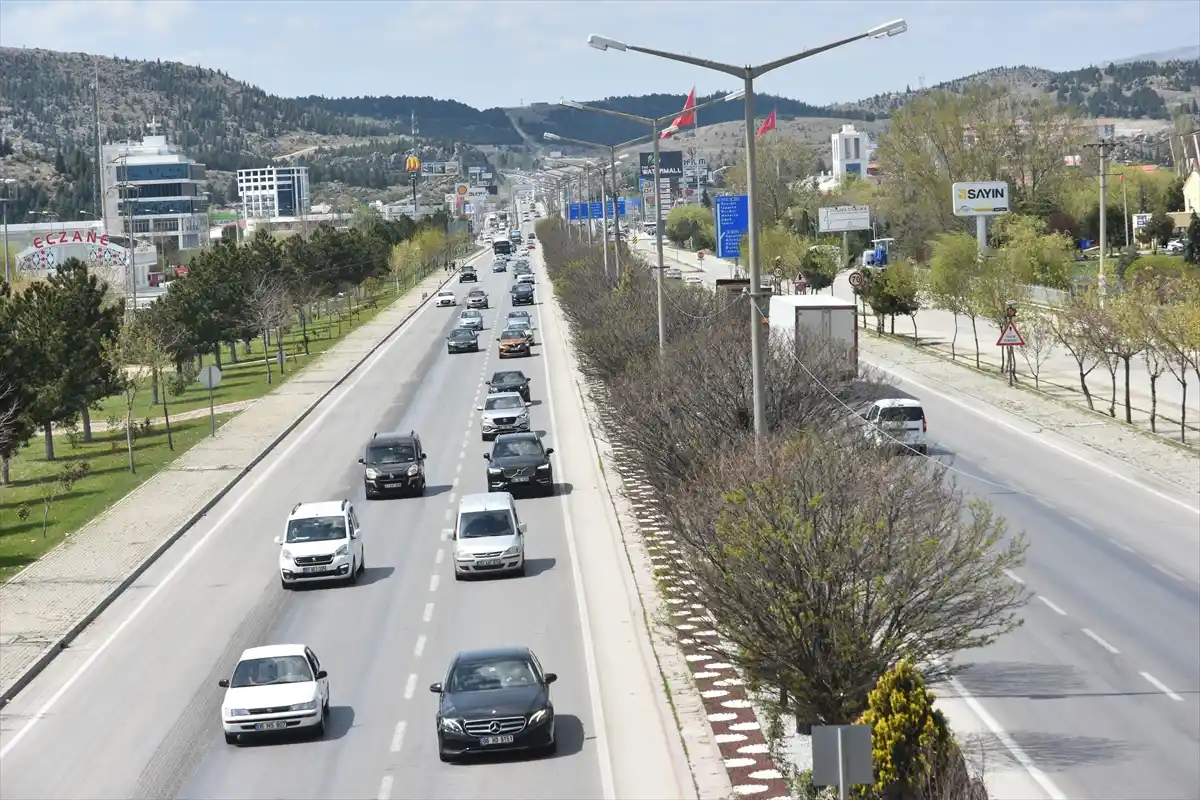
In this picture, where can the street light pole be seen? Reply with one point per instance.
(748, 74)
(4, 201)
(612, 156)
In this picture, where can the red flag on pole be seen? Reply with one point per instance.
(768, 124)
(688, 117)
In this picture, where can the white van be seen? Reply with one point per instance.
(489, 536)
(897, 422)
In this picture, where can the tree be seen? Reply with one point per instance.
(1035, 256)
(1160, 228)
(1037, 331)
(266, 305)
(128, 354)
(68, 475)
(952, 268)
(998, 286)
(17, 371)
(824, 563)
(1070, 325)
(1191, 248)
(781, 163)
(894, 291)
(693, 223)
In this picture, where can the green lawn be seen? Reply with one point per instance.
(22, 504)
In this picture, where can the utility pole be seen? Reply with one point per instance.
(99, 144)
(1104, 146)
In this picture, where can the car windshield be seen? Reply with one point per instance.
(271, 671)
(485, 676)
(481, 524)
(513, 333)
(462, 333)
(316, 529)
(523, 288)
(445, 294)
(504, 402)
(901, 414)
(517, 448)
(391, 453)
(475, 293)
(471, 315)
(507, 378)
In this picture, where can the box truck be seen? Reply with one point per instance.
(821, 317)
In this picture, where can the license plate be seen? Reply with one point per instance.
(521, 479)
(313, 569)
(274, 726)
(489, 562)
(490, 740)
(392, 485)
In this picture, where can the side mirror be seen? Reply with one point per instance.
(223, 683)
(522, 527)
(479, 408)
(550, 678)
(436, 688)
(423, 456)
(353, 535)
(278, 540)
(487, 383)
(487, 456)
(528, 404)
(363, 460)
(322, 674)
(549, 451)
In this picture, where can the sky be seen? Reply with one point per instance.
(501, 53)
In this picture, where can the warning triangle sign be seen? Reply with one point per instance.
(1011, 337)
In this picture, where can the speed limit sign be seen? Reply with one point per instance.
(856, 279)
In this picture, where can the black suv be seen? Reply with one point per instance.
(518, 461)
(462, 340)
(509, 381)
(522, 294)
(394, 463)
(468, 275)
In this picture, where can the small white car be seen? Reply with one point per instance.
(446, 299)
(471, 319)
(694, 280)
(525, 277)
(672, 272)
(276, 688)
(897, 422)
(321, 542)
(489, 537)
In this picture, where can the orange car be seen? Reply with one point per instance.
(513, 342)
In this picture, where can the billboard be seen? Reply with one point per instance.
(477, 192)
(980, 198)
(670, 164)
(695, 170)
(836, 219)
(434, 168)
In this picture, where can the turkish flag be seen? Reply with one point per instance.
(768, 124)
(688, 117)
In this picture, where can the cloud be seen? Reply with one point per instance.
(72, 25)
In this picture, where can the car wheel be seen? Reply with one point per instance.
(923, 449)
(319, 728)
(420, 490)
(458, 576)
(352, 578)
(362, 567)
(231, 738)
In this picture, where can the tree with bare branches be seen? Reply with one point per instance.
(266, 306)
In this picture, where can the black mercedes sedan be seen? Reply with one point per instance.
(518, 461)
(494, 701)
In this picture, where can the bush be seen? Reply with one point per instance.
(691, 222)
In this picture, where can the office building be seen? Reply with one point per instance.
(853, 151)
(157, 188)
(272, 192)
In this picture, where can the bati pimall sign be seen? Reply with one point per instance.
(980, 198)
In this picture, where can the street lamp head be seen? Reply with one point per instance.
(738, 95)
(553, 137)
(893, 28)
(670, 129)
(571, 104)
(604, 43)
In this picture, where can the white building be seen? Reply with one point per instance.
(853, 151)
(273, 192)
(155, 186)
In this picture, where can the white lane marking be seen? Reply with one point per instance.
(453, 495)
(607, 782)
(449, 514)
(1010, 745)
(234, 509)
(385, 788)
(401, 727)
(1036, 438)
(419, 647)
(1167, 572)
(1162, 687)
(458, 466)
(410, 687)
(1122, 545)
(433, 582)
(1051, 605)
(1095, 638)
(428, 615)
(437, 559)
(1012, 576)
(454, 483)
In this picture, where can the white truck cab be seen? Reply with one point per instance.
(321, 542)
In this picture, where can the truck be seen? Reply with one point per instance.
(827, 318)
(515, 238)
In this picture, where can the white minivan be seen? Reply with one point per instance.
(489, 536)
(321, 542)
(897, 422)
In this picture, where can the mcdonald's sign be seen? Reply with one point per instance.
(412, 164)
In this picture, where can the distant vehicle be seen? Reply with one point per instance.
(471, 319)
(509, 381)
(513, 342)
(830, 319)
(393, 463)
(672, 272)
(446, 299)
(477, 298)
(519, 461)
(462, 340)
(522, 294)
(897, 423)
(501, 246)
(515, 238)
(503, 412)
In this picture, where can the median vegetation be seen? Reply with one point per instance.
(94, 401)
(826, 564)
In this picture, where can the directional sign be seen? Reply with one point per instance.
(620, 207)
(732, 212)
(1011, 337)
(856, 279)
(573, 212)
(837, 219)
(596, 210)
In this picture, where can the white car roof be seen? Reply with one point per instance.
(490, 501)
(496, 395)
(898, 402)
(325, 508)
(447, 292)
(272, 651)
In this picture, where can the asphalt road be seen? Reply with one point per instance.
(141, 720)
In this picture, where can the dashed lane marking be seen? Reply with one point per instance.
(385, 788)
(433, 582)
(419, 647)
(428, 615)
(1052, 606)
(1162, 687)
(437, 559)
(410, 688)
(1095, 638)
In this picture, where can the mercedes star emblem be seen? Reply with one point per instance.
(495, 727)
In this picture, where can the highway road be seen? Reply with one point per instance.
(1100, 689)
(135, 703)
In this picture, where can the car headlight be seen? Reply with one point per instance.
(341, 551)
(543, 466)
(523, 415)
(311, 705)
(451, 725)
(539, 716)
(494, 471)
(487, 425)
(463, 556)
(512, 551)
(372, 473)
(236, 712)
(287, 554)
(414, 470)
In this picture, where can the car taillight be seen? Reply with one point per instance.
(924, 425)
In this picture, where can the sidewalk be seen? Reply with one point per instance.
(1059, 376)
(46, 605)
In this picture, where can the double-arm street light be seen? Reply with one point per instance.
(655, 132)
(748, 74)
(612, 160)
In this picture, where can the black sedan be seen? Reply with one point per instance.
(468, 275)
(519, 461)
(494, 701)
(509, 381)
(522, 294)
(462, 340)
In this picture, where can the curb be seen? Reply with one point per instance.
(63, 642)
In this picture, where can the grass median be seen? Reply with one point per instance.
(68, 499)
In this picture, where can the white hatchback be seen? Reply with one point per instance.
(321, 542)
(274, 689)
(446, 299)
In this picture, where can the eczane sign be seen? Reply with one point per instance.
(980, 198)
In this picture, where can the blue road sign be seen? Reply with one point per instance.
(733, 220)
(632, 202)
(595, 211)
(573, 212)
(620, 207)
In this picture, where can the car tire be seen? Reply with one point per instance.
(372, 494)
(232, 738)
(319, 728)
(420, 490)
(923, 449)
(362, 568)
(352, 578)
(458, 576)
